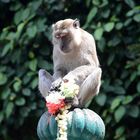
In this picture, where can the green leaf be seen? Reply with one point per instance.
(26, 79)
(138, 67)
(88, 3)
(6, 48)
(34, 83)
(115, 103)
(127, 22)
(1, 116)
(108, 119)
(133, 111)
(33, 64)
(122, 137)
(119, 90)
(19, 30)
(33, 106)
(18, 17)
(98, 33)
(119, 113)
(31, 31)
(5, 93)
(130, 13)
(130, 3)
(110, 59)
(15, 7)
(91, 14)
(109, 26)
(105, 13)
(26, 92)
(20, 101)
(9, 109)
(31, 55)
(17, 86)
(3, 78)
(138, 87)
(133, 76)
(96, 2)
(119, 132)
(12, 96)
(45, 65)
(119, 26)
(137, 17)
(101, 99)
(35, 5)
(127, 100)
(44, 51)
(101, 44)
(41, 25)
(114, 42)
(24, 111)
(104, 3)
(25, 14)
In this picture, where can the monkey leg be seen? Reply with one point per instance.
(90, 87)
(45, 81)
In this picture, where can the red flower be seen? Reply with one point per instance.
(54, 108)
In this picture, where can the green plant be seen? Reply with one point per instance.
(25, 47)
(116, 30)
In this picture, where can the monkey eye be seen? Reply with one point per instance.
(63, 27)
(76, 23)
(56, 27)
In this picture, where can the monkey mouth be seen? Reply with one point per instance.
(62, 47)
(60, 35)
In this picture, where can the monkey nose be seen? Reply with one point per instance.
(58, 35)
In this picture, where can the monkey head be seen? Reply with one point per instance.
(66, 35)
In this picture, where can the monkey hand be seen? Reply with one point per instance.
(56, 84)
(73, 101)
(69, 78)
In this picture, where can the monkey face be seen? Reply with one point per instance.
(64, 32)
(63, 28)
(60, 29)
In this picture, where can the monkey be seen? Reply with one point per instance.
(74, 58)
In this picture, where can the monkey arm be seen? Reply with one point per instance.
(80, 73)
(58, 75)
(88, 77)
(59, 72)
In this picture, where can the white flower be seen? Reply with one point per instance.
(55, 98)
(69, 89)
(62, 123)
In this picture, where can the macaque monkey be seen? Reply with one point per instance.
(74, 58)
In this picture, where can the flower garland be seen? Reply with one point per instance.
(62, 123)
(58, 105)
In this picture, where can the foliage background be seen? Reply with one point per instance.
(25, 47)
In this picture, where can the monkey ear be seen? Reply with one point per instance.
(53, 26)
(76, 23)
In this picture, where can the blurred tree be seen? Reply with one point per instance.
(25, 47)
